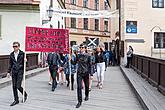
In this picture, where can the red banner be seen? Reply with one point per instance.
(47, 40)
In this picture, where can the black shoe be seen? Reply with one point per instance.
(53, 89)
(14, 103)
(72, 88)
(25, 98)
(86, 99)
(68, 85)
(78, 105)
(127, 66)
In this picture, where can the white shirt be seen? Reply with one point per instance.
(16, 55)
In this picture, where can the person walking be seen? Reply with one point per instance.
(91, 68)
(83, 61)
(99, 57)
(129, 56)
(68, 66)
(16, 70)
(53, 61)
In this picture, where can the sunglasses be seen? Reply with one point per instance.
(15, 46)
(81, 47)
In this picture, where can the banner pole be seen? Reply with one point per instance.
(24, 77)
(70, 65)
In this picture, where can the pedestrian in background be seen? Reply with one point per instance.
(16, 70)
(91, 68)
(61, 69)
(99, 57)
(68, 66)
(53, 61)
(129, 56)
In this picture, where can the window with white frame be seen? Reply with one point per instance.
(73, 22)
(159, 40)
(85, 3)
(96, 24)
(73, 2)
(96, 4)
(106, 25)
(86, 23)
(158, 3)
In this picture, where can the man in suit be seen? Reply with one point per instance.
(83, 61)
(16, 70)
(53, 62)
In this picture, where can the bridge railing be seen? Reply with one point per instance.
(152, 69)
(32, 63)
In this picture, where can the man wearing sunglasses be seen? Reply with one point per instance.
(83, 61)
(16, 69)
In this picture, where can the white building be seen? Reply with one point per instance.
(148, 17)
(15, 15)
(57, 22)
(142, 27)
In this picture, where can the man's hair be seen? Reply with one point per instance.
(16, 43)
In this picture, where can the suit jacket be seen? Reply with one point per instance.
(54, 60)
(16, 66)
(83, 61)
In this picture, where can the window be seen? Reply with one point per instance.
(73, 2)
(106, 26)
(73, 43)
(73, 22)
(105, 5)
(159, 40)
(58, 24)
(96, 4)
(85, 3)
(86, 23)
(117, 4)
(96, 24)
(158, 3)
(0, 25)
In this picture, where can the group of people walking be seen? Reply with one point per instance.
(84, 62)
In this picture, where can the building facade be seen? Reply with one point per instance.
(143, 27)
(56, 22)
(82, 29)
(15, 15)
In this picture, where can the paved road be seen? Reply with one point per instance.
(115, 95)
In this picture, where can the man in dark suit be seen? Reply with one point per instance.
(16, 70)
(53, 62)
(83, 61)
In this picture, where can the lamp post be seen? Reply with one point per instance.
(50, 13)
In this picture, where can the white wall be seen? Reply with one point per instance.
(44, 6)
(146, 17)
(13, 28)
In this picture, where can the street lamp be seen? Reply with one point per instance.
(50, 13)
